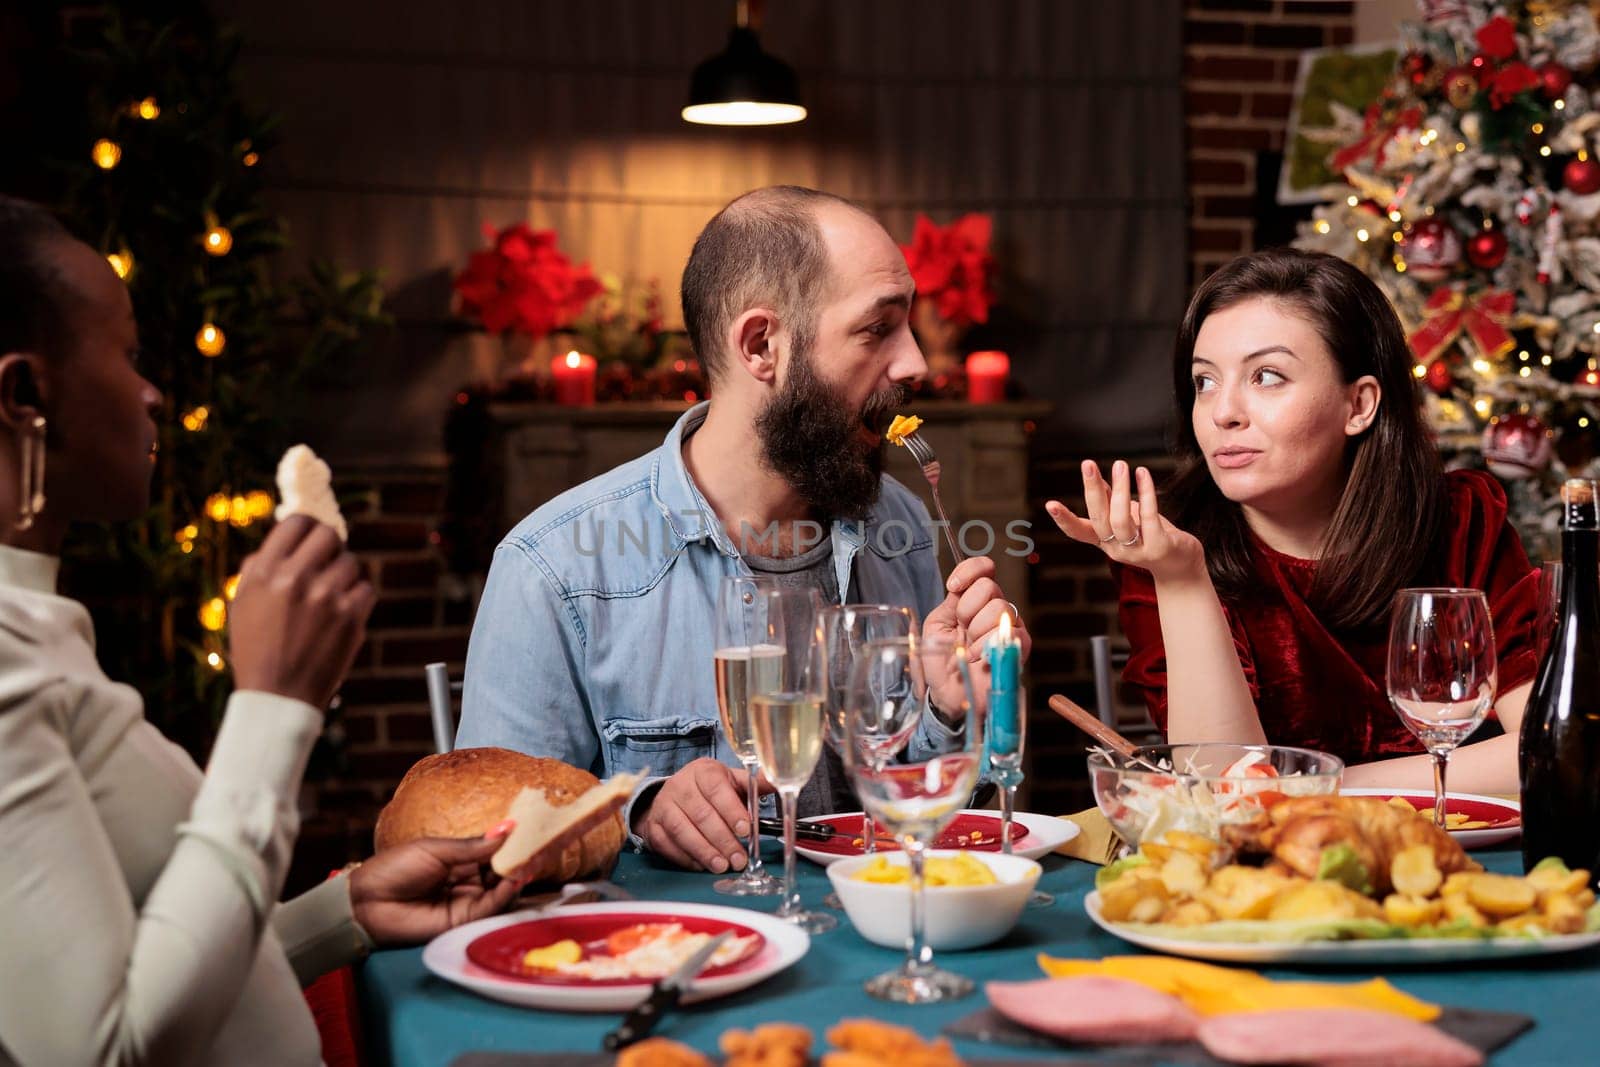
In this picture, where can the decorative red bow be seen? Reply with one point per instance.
(1448, 312)
(1375, 135)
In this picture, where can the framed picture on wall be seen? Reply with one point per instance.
(1353, 77)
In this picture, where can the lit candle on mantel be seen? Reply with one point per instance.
(574, 375)
(986, 377)
(1005, 666)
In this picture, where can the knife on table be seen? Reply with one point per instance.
(663, 997)
(803, 831)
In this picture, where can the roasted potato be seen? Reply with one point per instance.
(1414, 872)
(1405, 910)
(1501, 895)
(1323, 900)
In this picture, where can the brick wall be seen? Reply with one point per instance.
(1240, 59)
(1240, 63)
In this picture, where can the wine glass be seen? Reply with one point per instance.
(749, 647)
(786, 714)
(1442, 669)
(1004, 756)
(889, 686)
(846, 629)
(1544, 624)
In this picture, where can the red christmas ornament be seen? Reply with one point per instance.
(1582, 176)
(1439, 378)
(1417, 67)
(1517, 445)
(1431, 249)
(1555, 79)
(1486, 249)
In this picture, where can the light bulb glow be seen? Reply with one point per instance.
(106, 154)
(743, 113)
(219, 241)
(147, 108)
(121, 262)
(210, 340)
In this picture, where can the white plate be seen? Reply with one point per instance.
(1423, 798)
(1407, 950)
(1046, 833)
(446, 956)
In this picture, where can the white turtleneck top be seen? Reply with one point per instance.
(138, 914)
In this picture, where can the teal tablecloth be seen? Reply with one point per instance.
(414, 1019)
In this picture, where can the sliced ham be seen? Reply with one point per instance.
(1333, 1037)
(1094, 1010)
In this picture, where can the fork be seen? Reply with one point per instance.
(924, 455)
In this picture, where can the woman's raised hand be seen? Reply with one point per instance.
(1131, 531)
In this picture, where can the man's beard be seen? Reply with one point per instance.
(812, 438)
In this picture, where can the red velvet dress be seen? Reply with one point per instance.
(1322, 688)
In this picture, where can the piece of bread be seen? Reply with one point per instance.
(305, 487)
(465, 792)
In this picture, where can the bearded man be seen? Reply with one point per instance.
(593, 643)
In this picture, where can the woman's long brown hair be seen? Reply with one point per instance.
(1389, 514)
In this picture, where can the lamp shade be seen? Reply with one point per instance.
(743, 86)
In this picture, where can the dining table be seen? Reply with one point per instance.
(412, 1018)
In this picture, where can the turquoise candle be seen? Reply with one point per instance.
(1005, 665)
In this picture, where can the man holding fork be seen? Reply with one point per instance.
(593, 642)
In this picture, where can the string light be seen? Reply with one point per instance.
(259, 503)
(1362, 235)
(210, 340)
(1352, 200)
(239, 512)
(214, 614)
(1322, 226)
(106, 154)
(1544, 150)
(219, 240)
(217, 506)
(1481, 366)
(1525, 372)
(215, 661)
(146, 109)
(1538, 127)
(121, 262)
(1561, 105)
(250, 159)
(1583, 421)
(1482, 406)
(194, 420)
(1399, 237)
(1545, 360)
(1394, 216)
(230, 588)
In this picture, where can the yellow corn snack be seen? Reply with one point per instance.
(901, 428)
(1210, 990)
(937, 871)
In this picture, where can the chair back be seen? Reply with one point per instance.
(442, 691)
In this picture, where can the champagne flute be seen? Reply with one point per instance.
(786, 712)
(846, 629)
(890, 685)
(749, 651)
(1442, 670)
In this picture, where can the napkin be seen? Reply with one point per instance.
(1096, 842)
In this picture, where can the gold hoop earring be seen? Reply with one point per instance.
(32, 473)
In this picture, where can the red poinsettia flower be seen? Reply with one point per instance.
(1511, 79)
(1498, 38)
(524, 284)
(951, 267)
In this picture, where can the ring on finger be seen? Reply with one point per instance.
(1131, 541)
(1108, 538)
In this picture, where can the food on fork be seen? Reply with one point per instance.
(305, 487)
(465, 792)
(902, 427)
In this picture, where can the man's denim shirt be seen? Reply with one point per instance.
(593, 640)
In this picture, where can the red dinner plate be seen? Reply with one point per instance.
(1498, 814)
(502, 950)
(847, 829)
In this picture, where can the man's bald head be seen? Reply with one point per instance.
(764, 249)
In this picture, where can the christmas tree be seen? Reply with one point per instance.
(1474, 201)
(149, 154)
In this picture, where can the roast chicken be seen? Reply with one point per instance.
(1294, 832)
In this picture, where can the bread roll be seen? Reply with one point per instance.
(465, 792)
(305, 487)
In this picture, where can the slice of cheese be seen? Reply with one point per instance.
(542, 826)
(305, 487)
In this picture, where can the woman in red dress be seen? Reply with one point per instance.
(1256, 595)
